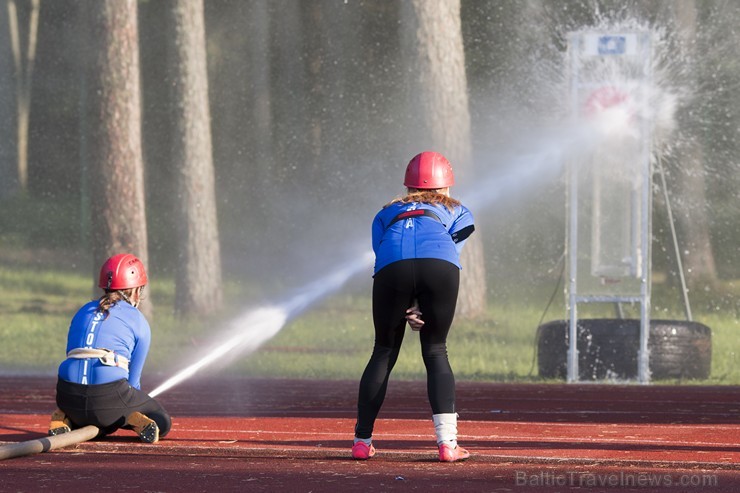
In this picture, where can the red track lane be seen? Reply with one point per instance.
(293, 435)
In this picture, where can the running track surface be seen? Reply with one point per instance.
(295, 435)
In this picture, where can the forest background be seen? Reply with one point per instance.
(251, 142)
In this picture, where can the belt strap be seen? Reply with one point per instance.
(106, 356)
(414, 213)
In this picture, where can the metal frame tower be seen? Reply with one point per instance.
(608, 242)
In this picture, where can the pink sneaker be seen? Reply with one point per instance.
(360, 451)
(450, 454)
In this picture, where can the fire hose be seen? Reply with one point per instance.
(46, 444)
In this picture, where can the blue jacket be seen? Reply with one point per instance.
(432, 232)
(125, 331)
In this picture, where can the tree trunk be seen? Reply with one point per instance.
(262, 120)
(443, 111)
(317, 98)
(198, 273)
(689, 191)
(287, 44)
(328, 112)
(117, 168)
(23, 57)
(8, 111)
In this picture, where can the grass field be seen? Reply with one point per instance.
(330, 341)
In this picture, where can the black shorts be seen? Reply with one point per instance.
(434, 283)
(108, 405)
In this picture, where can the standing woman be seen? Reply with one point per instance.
(99, 383)
(417, 241)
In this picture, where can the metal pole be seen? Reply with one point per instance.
(679, 264)
(643, 356)
(46, 444)
(643, 365)
(572, 241)
(573, 275)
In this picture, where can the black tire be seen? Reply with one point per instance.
(607, 349)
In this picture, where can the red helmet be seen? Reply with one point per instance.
(604, 98)
(122, 271)
(429, 170)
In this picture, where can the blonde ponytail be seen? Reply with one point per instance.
(428, 197)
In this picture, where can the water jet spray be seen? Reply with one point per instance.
(247, 332)
(254, 327)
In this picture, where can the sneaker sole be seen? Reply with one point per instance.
(59, 430)
(150, 433)
(144, 426)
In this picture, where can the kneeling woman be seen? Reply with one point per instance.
(99, 383)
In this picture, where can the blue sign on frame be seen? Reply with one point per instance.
(612, 45)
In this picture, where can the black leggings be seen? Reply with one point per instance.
(434, 283)
(108, 405)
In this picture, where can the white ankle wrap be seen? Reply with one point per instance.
(445, 426)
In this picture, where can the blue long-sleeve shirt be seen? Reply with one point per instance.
(125, 331)
(421, 236)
